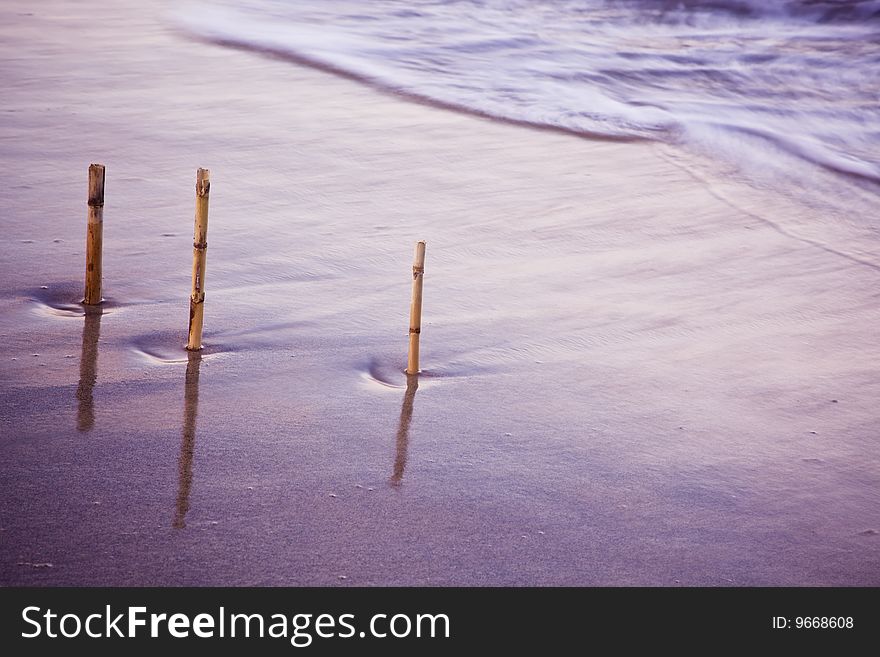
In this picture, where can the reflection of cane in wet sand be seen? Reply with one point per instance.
(188, 443)
(406, 411)
(88, 368)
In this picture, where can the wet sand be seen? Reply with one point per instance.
(637, 371)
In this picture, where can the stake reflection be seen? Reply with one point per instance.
(406, 412)
(188, 441)
(88, 368)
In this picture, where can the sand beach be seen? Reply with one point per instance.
(638, 369)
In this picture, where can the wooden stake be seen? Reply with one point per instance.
(200, 247)
(415, 309)
(94, 235)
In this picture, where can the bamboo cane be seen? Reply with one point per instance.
(415, 309)
(94, 235)
(200, 247)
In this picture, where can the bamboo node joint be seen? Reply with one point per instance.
(200, 245)
(415, 330)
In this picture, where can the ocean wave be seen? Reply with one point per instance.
(821, 11)
(751, 92)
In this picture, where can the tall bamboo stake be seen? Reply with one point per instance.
(200, 247)
(415, 309)
(94, 235)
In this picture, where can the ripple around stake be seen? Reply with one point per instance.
(383, 375)
(390, 374)
(74, 309)
(65, 300)
(170, 348)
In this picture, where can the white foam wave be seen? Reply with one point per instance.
(594, 68)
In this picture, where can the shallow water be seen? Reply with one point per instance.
(634, 373)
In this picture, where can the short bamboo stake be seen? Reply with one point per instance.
(415, 309)
(200, 247)
(94, 235)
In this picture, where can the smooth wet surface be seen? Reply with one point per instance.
(634, 374)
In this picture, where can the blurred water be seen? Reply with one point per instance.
(778, 91)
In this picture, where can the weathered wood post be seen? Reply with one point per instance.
(200, 247)
(94, 235)
(415, 309)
